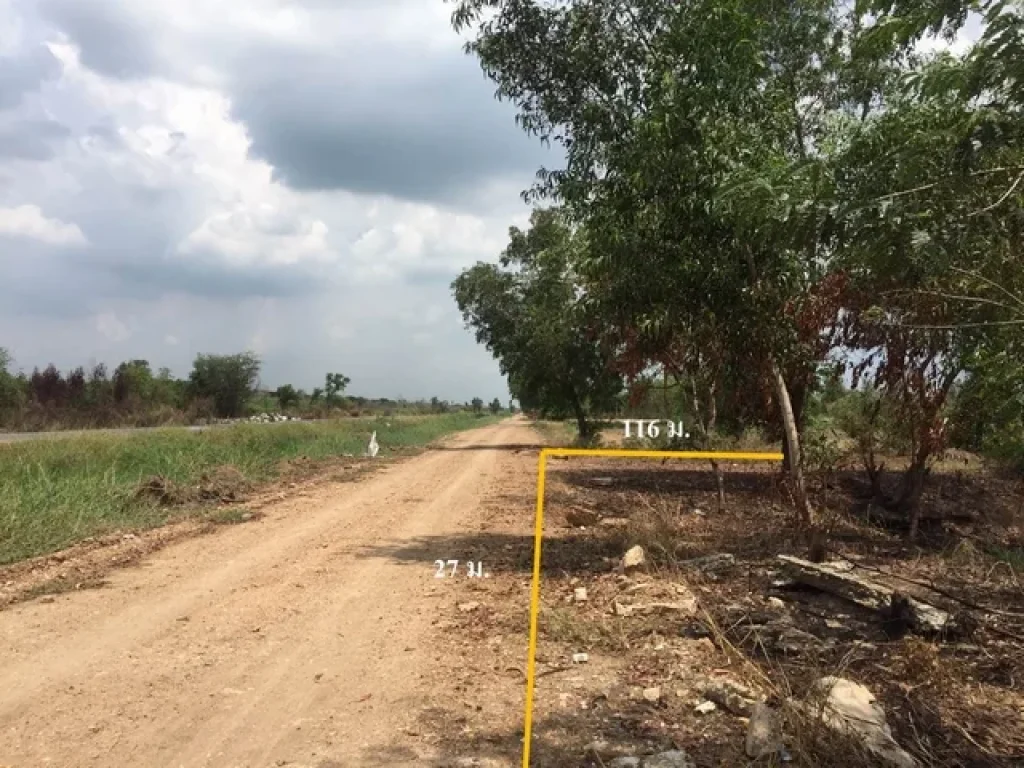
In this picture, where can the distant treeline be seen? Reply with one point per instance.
(218, 387)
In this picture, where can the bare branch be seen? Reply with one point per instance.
(951, 296)
(988, 281)
(991, 323)
(999, 202)
(923, 187)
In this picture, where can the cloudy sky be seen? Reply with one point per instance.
(302, 178)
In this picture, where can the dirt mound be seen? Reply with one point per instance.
(162, 490)
(224, 483)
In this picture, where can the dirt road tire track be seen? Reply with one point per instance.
(290, 640)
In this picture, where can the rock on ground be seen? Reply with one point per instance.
(633, 558)
(675, 758)
(762, 732)
(850, 707)
(652, 694)
(705, 708)
(731, 696)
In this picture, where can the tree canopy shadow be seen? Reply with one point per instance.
(506, 447)
(503, 552)
(669, 478)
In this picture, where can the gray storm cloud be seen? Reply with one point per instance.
(236, 185)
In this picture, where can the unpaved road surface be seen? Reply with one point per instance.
(289, 640)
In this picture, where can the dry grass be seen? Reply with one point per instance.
(949, 703)
(54, 492)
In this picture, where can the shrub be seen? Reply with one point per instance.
(229, 380)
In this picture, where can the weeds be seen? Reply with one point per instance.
(56, 492)
(566, 626)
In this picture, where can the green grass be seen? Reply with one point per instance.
(1014, 557)
(55, 492)
(557, 433)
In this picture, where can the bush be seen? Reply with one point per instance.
(868, 419)
(824, 448)
(229, 380)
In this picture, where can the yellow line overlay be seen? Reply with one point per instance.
(538, 533)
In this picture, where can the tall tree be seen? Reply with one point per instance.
(228, 380)
(527, 311)
(678, 121)
(334, 386)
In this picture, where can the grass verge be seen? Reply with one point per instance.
(56, 492)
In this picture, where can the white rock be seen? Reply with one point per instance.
(705, 708)
(675, 758)
(850, 707)
(633, 558)
(652, 695)
(580, 594)
(467, 607)
(625, 762)
(623, 610)
(762, 732)
(580, 658)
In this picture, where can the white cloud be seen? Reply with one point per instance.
(111, 328)
(264, 235)
(188, 229)
(29, 222)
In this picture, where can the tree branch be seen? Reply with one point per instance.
(999, 202)
(988, 281)
(954, 327)
(923, 187)
(953, 296)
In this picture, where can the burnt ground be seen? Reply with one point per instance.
(951, 701)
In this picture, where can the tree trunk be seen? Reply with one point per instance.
(705, 429)
(711, 424)
(797, 400)
(792, 441)
(581, 418)
(909, 501)
(720, 480)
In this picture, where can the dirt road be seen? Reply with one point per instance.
(284, 641)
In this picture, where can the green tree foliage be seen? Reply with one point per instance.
(334, 386)
(228, 380)
(678, 120)
(12, 392)
(132, 382)
(477, 405)
(286, 396)
(527, 311)
(495, 406)
(762, 185)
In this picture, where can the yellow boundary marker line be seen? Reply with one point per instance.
(538, 534)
